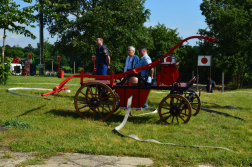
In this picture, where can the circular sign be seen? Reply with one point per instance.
(27, 61)
(204, 60)
(168, 59)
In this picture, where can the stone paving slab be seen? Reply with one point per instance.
(76, 160)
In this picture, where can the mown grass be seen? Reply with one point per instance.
(54, 126)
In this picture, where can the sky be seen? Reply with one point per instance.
(183, 15)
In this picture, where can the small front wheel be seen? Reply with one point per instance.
(194, 100)
(174, 109)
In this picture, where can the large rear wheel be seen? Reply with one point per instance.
(95, 100)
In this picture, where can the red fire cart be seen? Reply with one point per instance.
(99, 99)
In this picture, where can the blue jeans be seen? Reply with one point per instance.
(102, 70)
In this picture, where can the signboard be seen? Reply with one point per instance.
(169, 59)
(204, 60)
(40, 65)
(15, 60)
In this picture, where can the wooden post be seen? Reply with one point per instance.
(222, 86)
(3, 64)
(197, 80)
(52, 65)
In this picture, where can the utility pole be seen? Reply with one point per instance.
(41, 39)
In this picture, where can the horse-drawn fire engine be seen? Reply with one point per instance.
(99, 99)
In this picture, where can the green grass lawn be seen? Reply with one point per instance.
(52, 126)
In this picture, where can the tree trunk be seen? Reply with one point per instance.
(242, 79)
(3, 56)
(41, 39)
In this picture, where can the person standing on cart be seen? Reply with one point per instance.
(131, 59)
(102, 58)
(146, 74)
(144, 60)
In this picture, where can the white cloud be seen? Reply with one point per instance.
(150, 24)
(14, 36)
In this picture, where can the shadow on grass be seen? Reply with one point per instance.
(32, 110)
(64, 113)
(71, 98)
(116, 117)
(211, 106)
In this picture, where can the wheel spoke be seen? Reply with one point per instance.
(172, 119)
(166, 108)
(172, 102)
(101, 93)
(106, 98)
(181, 104)
(103, 108)
(82, 101)
(184, 113)
(99, 112)
(83, 93)
(83, 107)
(166, 113)
(168, 104)
(177, 119)
(181, 118)
(87, 112)
(105, 103)
(96, 91)
(168, 117)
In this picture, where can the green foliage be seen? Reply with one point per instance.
(120, 23)
(5, 69)
(230, 22)
(164, 39)
(67, 68)
(11, 14)
(15, 123)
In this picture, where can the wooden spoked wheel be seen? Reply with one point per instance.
(95, 100)
(174, 109)
(194, 100)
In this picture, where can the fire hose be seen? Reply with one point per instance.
(116, 130)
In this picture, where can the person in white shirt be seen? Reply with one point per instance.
(131, 59)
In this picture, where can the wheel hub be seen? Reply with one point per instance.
(175, 111)
(94, 102)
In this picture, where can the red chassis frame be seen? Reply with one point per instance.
(109, 80)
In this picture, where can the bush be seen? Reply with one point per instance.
(5, 69)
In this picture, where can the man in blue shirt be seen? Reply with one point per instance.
(102, 58)
(146, 74)
(144, 60)
(131, 60)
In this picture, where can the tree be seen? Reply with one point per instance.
(230, 22)
(164, 39)
(10, 15)
(79, 23)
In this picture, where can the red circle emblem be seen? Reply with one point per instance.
(204, 60)
(168, 59)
